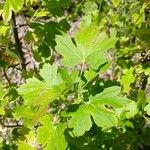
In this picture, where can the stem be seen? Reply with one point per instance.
(17, 41)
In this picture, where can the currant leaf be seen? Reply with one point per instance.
(89, 47)
(103, 116)
(36, 92)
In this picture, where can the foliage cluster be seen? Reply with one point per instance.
(90, 88)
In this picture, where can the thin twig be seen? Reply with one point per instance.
(17, 41)
(12, 126)
(15, 124)
(14, 65)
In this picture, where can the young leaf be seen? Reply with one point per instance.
(54, 139)
(90, 47)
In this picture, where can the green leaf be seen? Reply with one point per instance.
(36, 92)
(23, 111)
(138, 17)
(128, 111)
(55, 139)
(2, 93)
(96, 108)
(41, 13)
(55, 7)
(41, 111)
(25, 146)
(81, 121)
(49, 74)
(66, 48)
(26, 113)
(131, 109)
(147, 109)
(90, 74)
(31, 2)
(90, 47)
(116, 2)
(9, 6)
(70, 77)
(90, 7)
(141, 96)
(4, 30)
(110, 96)
(98, 58)
(2, 111)
(126, 79)
(66, 76)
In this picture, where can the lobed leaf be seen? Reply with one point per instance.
(89, 47)
(95, 108)
(36, 92)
